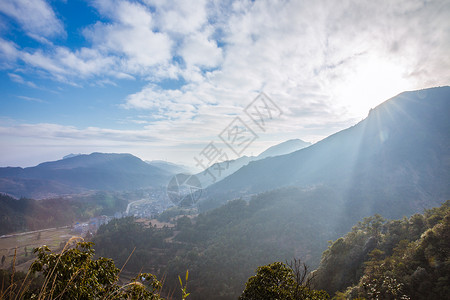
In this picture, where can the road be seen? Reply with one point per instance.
(131, 203)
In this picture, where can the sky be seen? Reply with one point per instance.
(168, 80)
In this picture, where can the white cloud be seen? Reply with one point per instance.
(131, 34)
(199, 50)
(32, 99)
(8, 51)
(63, 64)
(324, 63)
(83, 62)
(19, 79)
(40, 60)
(168, 104)
(60, 133)
(36, 17)
(180, 17)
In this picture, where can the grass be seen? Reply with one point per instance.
(53, 238)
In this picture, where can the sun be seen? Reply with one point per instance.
(370, 83)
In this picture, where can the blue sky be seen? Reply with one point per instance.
(162, 79)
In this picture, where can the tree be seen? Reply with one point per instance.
(74, 274)
(301, 273)
(278, 281)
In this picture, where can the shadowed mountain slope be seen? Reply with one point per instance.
(400, 152)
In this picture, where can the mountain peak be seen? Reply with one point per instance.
(283, 148)
(95, 171)
(71, 155)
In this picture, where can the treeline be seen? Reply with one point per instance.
(400, 259)
(29, 214)
(222, 248)
(123, 237)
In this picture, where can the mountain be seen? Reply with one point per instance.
(36, 188)
(219, 171)
(76, 173)
(71, 155)
(96, 171)
(284, 148)
(169, 167)
(393, 162)
(383, 259)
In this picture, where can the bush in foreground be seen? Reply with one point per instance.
(280, 281)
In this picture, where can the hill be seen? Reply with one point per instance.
(19, 215)
(170, 167)
(221, 170)
(397, 259)
(400, 152)
(96, 171)
(286, 147)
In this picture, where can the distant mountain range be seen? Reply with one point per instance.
(283, 148)
(394, 162)
(170, 167)
(72, 155)
(219, 171)
(79, 173)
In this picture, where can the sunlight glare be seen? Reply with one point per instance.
(370, 84)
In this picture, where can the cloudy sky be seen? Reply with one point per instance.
(162, 79)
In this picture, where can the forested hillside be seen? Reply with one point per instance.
(223, 247)
(29, 214)
(235, 239)
(399, 259)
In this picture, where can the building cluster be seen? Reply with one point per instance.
(91, 227)
(144, 208)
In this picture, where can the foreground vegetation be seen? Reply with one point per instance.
(73, 273)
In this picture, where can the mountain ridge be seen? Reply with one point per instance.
(95, 171)
(395, 152)
(221, 170)
(283, 148)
